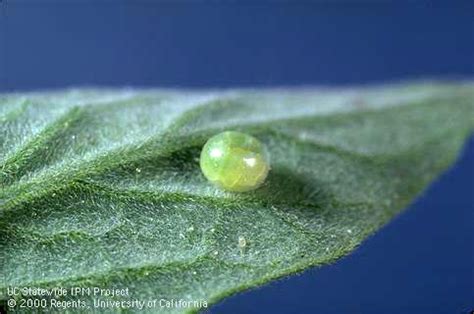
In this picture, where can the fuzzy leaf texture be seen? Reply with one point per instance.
(102, 188)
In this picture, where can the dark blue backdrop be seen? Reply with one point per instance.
(423, 261)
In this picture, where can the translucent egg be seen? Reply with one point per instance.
(235, 161)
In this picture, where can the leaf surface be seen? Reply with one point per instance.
(102, 188)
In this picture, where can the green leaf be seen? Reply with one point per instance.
(102, 188)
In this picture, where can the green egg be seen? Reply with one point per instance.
(235, 161)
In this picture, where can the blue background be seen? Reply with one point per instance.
(422, 262)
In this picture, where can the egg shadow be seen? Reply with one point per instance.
(285, 188)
